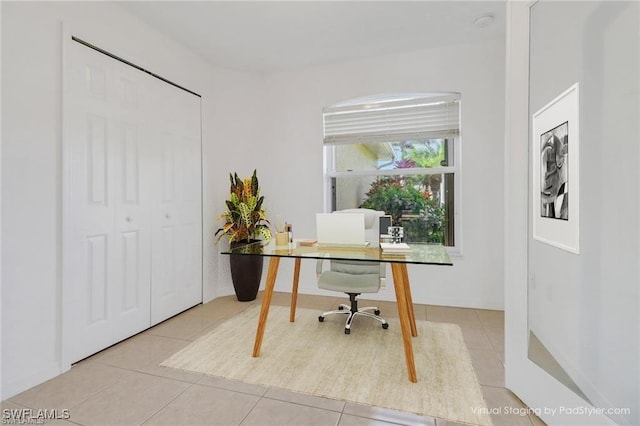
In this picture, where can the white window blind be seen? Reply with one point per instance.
(378, 120)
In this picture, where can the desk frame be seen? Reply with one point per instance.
(403, 301)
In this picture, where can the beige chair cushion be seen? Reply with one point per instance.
(349, 283)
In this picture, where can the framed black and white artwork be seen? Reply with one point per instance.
(555, 168)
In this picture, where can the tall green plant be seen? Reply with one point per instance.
(245, 220)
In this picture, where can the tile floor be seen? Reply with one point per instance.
(123, 385)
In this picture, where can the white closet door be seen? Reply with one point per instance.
(176, 213)
(133, 225)
(107, 225)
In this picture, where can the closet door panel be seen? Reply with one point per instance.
(107, 277)
(131, 303)
(178, 209)
(91, 251)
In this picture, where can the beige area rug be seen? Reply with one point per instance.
(367, 366)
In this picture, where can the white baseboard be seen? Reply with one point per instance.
(27, 381)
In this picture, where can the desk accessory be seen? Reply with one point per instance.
(282, 239)
(395, 248)
(396, 233)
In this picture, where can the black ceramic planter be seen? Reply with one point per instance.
(246, 273)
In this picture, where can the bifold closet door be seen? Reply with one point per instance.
(132, 209)
(176, 241)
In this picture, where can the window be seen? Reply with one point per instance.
(400, 154)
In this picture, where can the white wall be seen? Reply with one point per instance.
(535, 388)
(293, 178)
(31, 160)
(594, 294)
(590, 308)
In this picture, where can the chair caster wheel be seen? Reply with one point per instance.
(347, 331)
(340, 308)
(377, 312)
(385, 325)
(321, 318)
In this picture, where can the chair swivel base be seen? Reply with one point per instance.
(353, 311)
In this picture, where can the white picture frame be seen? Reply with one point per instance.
(555, 153)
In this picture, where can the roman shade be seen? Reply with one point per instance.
(380, 119)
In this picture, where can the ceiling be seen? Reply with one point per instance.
(268, 36)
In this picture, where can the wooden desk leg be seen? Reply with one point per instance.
(294, 290)
(407, 292)
(266, 301)
(403, 314)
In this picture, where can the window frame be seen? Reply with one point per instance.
(455, 170)
(453, 141)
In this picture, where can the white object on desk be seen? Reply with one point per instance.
(335, 229)
(395, 248)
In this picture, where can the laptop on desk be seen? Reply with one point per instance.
(340, 230)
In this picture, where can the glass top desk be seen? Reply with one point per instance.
(421, 254)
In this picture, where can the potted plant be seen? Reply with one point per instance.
(245, 222)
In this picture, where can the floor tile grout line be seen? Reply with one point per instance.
(77, 404)
(227, 389)
(301, 403)
(485, 329)
(373, 417)
(70, 408)
(341, 412)
(167, 404)
(169, 337)
(199, 382)
(95, 394)
(251, 410)
(133, 370)
(17, 403)
(337, 423)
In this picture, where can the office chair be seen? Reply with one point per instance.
(355, 277)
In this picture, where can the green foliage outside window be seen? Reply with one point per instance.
(429, 227)
(410, 204)
(393, 196)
